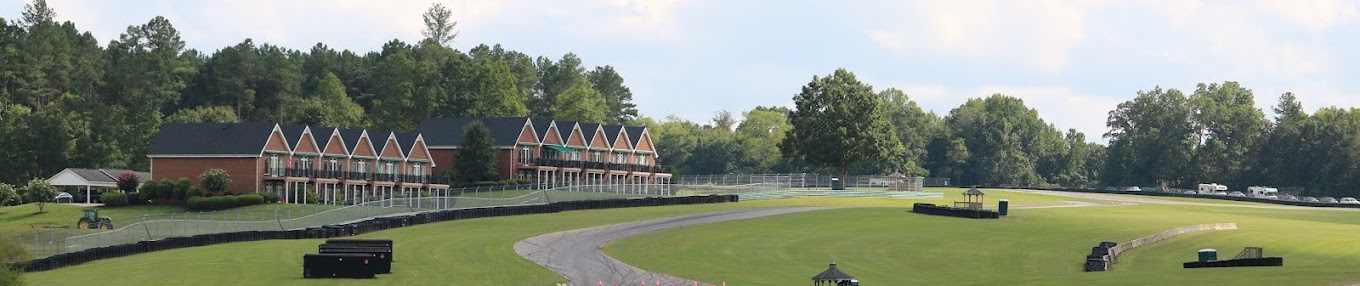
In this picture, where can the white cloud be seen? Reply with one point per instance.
(1035, 34)
(1315, 15)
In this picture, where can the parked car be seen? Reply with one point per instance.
(1133, 189)
(1237, 194)
(1220, 193)
(1291, 198)
(1191, 192)
(1349, 201)
(1272, 196)
(1308, 199)
(1327, 200)
(63, 197)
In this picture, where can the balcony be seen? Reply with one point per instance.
(357, 176)
(304, 173)
(571, 164)
(412, 179)
(594, 165)
(329, 174)
(439, 180)
(385, 177)
(548, 162)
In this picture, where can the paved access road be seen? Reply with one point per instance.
(576, 253)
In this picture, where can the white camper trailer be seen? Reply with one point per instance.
(1262, 192)
(1213, 189)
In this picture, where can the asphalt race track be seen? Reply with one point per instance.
(576, 253)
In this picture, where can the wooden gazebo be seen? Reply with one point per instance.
(834, 277)
(974, 197)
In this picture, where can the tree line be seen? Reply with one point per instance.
(66, 100)
(1213, 134)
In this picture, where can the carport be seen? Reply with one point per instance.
(93, 178)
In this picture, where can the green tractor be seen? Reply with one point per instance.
(91, 220)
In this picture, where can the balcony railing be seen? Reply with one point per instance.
(305, 173)
(594, 165)
(385, 177)
(329, 174)
(358, 176)
(412, 179)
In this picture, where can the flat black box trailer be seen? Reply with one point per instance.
(339, 265)
(382, 256)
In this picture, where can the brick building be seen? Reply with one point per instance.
(345, 166)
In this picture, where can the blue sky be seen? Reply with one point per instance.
(1071, 60)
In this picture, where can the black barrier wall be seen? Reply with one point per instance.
(1180, 195)
(351, 229)
(930, 209)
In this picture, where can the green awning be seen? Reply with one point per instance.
(561, 148)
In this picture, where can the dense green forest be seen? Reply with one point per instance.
(66, 100)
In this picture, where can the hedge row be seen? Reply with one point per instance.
(167, 189)
(224, 202)
(350, 229)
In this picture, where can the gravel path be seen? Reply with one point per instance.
(576, 253)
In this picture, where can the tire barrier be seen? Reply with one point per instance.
(351, 229)
(1099, 259)
(1264, 261)
(1181, 195)
(930, 209)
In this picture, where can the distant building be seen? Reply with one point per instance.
(355, 165)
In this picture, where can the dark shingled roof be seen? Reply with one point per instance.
(541, 127)
(93, 175)
(565, 130)
(322, 135)
(611, 132)
(379, 140)
(351, 138)
(293, 133)
(832, 274)
(634, 134)
(449, 131)
(114, 173)
(247, 139)
(588, 129)
(407, 141)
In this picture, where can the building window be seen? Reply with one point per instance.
(360, 166)
(332, 165)
(390, 168)
(526, 155)
(597, 156)
(275, 166)
(642, 160)
(618, 158)
(417, 169)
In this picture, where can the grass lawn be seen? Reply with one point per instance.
(23, 219)
(879, 242)
(891, 246)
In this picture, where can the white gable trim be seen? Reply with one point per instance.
(271, 139)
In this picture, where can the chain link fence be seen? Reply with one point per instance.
(155, 227)
(805, 180)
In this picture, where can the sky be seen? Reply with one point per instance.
(1073, 61)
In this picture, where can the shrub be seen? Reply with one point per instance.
(249, 199)
(198, 203)
(183, 189)
(114, 198)
(215, 181)
(270, 197)
(224, 202)
(313, 197)
(503, 182)
(127, 182)
(485, 183)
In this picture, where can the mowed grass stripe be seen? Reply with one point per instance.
(887, 246)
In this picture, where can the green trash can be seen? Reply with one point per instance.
(836, 184)
(1208, 255)
(1002, 206)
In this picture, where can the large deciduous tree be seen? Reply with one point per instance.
(580, 103)
(439, 25)
(476, 159)
(38, 191)
(1230, 129)
(330, 106)
(837, 122)
(1151, 139)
